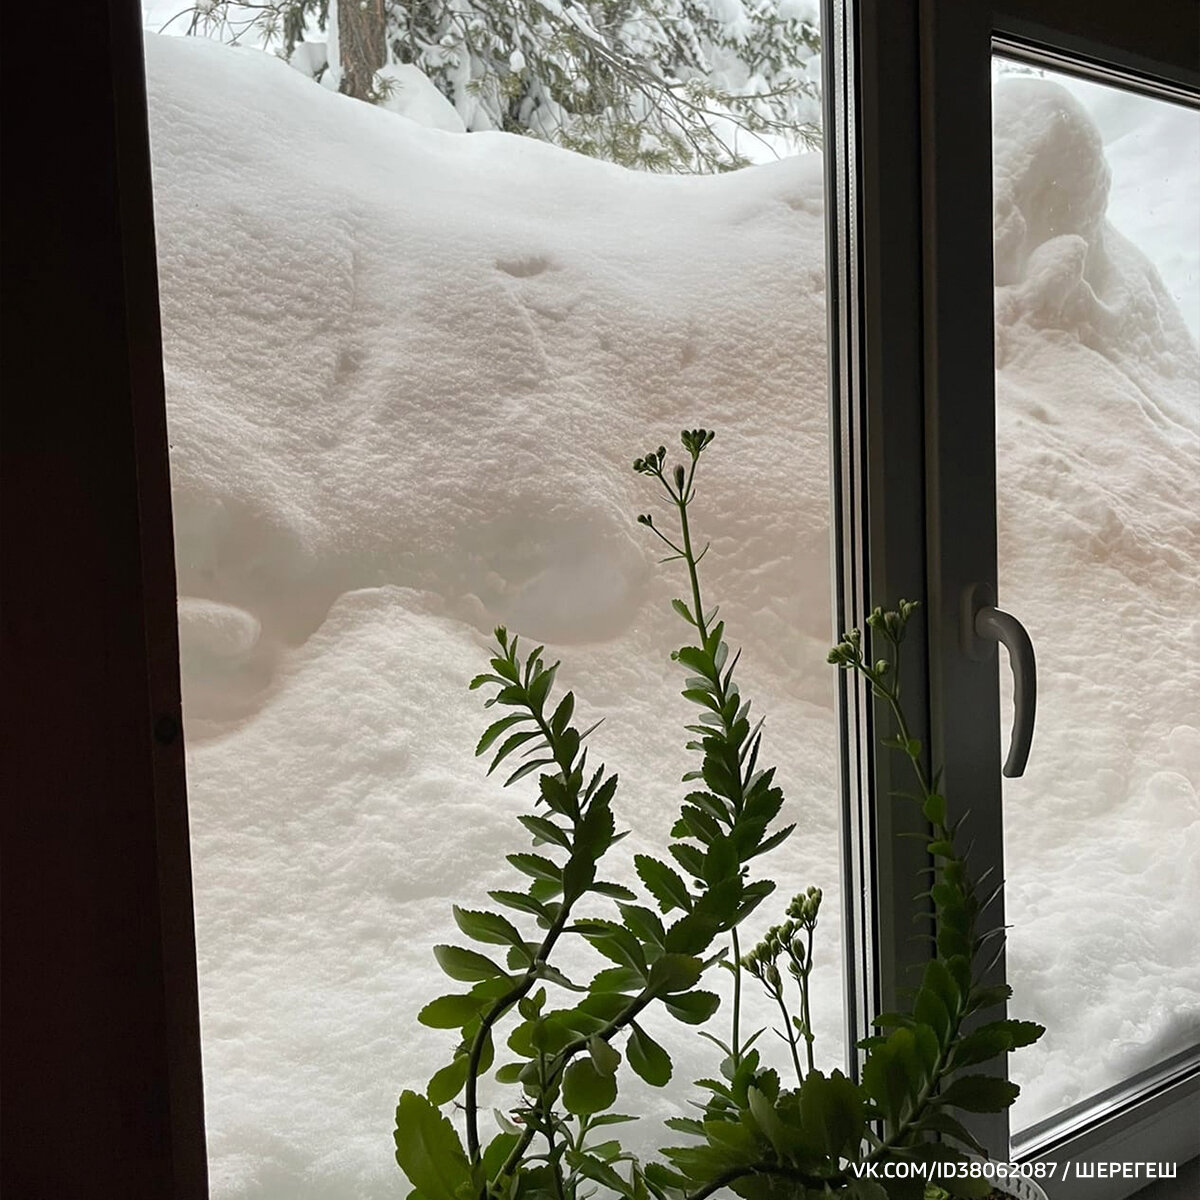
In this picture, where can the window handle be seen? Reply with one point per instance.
(983, 622)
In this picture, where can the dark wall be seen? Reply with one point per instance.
(101, 1079)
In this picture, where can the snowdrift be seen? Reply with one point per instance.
(407, 371)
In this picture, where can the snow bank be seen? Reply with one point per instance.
(407, 372)
(1099, 491)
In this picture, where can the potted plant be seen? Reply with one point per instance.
(567, 1042)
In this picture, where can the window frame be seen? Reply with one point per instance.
(905, 89)
(911, 344)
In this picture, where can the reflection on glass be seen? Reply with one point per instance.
(408, 370)
(1098, 428)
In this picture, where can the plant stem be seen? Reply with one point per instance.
(690, 559)
(681, 502)
(737, 998)
(470, 1099)
(805, 1015)
(619, 1022)
(789, 1032)
(471, 1096)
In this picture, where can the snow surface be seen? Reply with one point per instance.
(407, 371)
(1099, 496)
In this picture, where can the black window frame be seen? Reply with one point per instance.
(911, 343)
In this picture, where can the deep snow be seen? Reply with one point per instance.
(407, 371)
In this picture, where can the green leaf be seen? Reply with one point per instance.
(673, 973)
(450, 1012)
(496, 728)
(767, 1119)
(696, 660)
(690, 858)
(998, 1037)
(480, 680)
(934, 808)
(562, 714)
(943, 1122)
(720, 862)
(510, 1072)
(487, 927)
(428, 1149)
(611, 1119)
(465, 965)
(546, 831)
(605, 1058)
(448, 1082)
(539, 689)
(617, 891)
(663, 883)
(595, 1168)
(692, 1008)
(617, 979)
(527, 769)
(979, 1093)
(647, 1058)
(644, 924)
(536, 866)
(586, 1090)
(519, 900)
(683, 610)
(986, 997)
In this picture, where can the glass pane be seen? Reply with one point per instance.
(408, 369)
(1098, 429)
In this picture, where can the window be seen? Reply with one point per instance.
(913, 446)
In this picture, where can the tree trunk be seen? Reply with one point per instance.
(362, 44)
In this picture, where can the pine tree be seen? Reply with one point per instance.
(664, 85)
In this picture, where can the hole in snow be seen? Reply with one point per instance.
(524, 268)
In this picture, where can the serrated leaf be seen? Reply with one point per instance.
(510, 743)
(428, 1149)
(616, 942)
(536, 867)
(997, 1037)
(496, 728)
(546, 830)
(521, 902)
(979, 1093)
(487, 927)
(663, 883)
(643, 923)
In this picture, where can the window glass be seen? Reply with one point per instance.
(1098, 440)
(408, 369)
